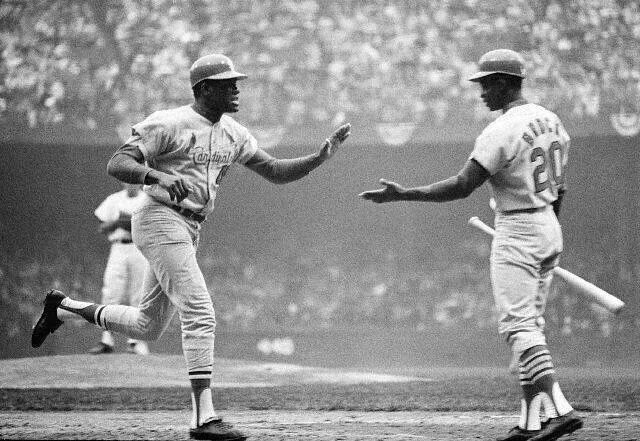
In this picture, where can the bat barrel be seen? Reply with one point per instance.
(590, 290)
(586, 289)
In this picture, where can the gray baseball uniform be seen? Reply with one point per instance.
(525, 150)
(183, 153)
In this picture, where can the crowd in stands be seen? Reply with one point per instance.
(315, 289)
(318, 61)
(408, 60)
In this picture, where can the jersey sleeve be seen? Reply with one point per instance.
(491, 151)
(248, 146)
(152, 136)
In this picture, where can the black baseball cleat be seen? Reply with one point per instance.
(557, 427)
(518, 434)
(217, 430)
(48, 321)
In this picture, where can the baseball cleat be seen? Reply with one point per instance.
(217, 430)
(48, 321)
(102, 348)
(518, 434)
(557, 427)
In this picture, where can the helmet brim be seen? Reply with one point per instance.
(227, 75)
(482, 74)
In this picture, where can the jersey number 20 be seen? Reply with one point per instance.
(551, 163)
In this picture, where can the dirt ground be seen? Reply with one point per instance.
(299, 425)
(81, 397)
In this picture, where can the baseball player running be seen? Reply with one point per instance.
(122, 281)
(181, 155)
(523, 155)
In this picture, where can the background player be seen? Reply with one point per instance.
(181, 155)
(123, 274)
(523, 155)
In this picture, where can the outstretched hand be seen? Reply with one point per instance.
(331, 144)
(391, 192)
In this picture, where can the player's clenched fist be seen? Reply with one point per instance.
(391, 192)
(331, 144)
(177, 187)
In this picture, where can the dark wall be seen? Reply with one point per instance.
(49, 194)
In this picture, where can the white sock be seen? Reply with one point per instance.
(68, 303)
(562, 405)
(65, 315)
(202, 409)
(68, 309)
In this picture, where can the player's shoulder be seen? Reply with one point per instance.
(168, 121)
(528, 112)
(172, 116)
(516, 117)
(498, 128)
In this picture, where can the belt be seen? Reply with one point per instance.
(525, 210)
(189, 214)
(123, 241)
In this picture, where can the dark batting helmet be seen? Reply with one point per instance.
(213, 67)
(500, 61)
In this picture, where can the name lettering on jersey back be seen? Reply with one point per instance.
(538, 127)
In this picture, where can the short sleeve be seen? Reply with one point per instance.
(490, 151)
(247, 148)
(151, 136)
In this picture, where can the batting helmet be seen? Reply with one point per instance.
(213, 67)
(502, 61)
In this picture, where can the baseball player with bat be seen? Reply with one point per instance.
(181, 155)
(523, 154)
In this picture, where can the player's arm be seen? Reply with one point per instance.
(471, 176)
(282, 171)
(128, 165)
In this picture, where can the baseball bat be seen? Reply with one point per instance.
(586, 289)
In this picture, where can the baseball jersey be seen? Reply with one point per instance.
(184, 143)
(109, 211)
(525, 151)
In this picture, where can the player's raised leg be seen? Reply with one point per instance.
(146, 322)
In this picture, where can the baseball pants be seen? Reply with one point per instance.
(525, 249)
(173, 282)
